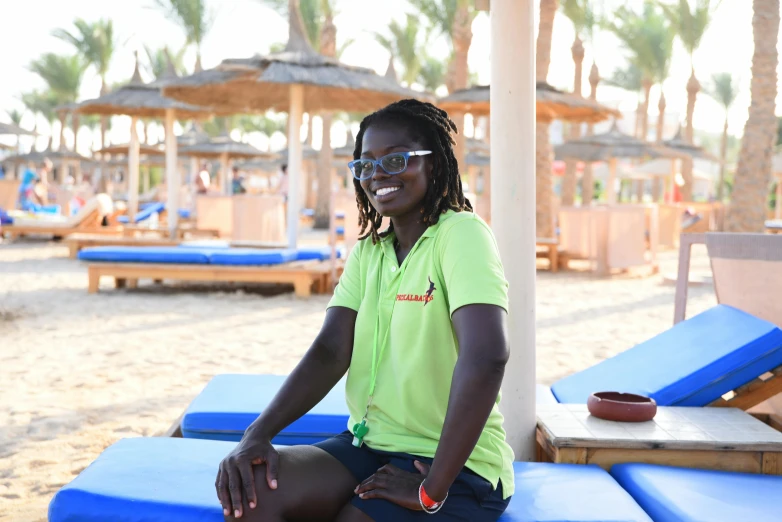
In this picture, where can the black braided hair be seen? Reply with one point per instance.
(433, 129)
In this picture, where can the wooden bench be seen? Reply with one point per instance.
(305, 276)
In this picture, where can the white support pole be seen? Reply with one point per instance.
(611, 183)
(295, 114)
(513, 205)
(172, 175)
(133, 174)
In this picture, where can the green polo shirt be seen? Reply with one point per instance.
(455, 263)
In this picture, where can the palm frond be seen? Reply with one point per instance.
(724, 88)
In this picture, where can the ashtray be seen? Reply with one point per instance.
(621, 407)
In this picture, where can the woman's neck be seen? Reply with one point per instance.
(408, 229)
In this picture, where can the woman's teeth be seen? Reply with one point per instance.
(386, 190)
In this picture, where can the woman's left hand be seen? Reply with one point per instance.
(395, 485)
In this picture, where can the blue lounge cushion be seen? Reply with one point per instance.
(146, 479)
(569, 493)
(321, 253)
(125, 254)
(145, 212)
(671, 494)
(340, 230)
(250, 256)
(692, 364)
(230, 402)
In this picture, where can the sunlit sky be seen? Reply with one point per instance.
(244, 27)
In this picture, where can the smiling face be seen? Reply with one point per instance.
(399, 194)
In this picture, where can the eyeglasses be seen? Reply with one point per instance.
(394, 163)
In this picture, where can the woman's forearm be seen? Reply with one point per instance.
(474, 388)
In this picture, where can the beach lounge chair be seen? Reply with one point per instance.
(146, 213)
(694, 363)
(747, 272)
(145, 479)
(671, 494)
(88, 219)
(301, 268)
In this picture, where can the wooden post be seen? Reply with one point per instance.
(225, 173)
(172, 174)
(611, 183)
(513, 205)
(295, 113)
(133, 174)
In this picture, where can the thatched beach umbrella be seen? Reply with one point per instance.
(608, 147)
(224, 149)
(294, 80)
(61, 157)
(140, 100)
(550, 104)
(14, 130)
(123, 148)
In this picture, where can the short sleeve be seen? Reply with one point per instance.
(471, 266)
(348, 291)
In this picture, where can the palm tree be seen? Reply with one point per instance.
(41, 103)
(748, 201)
(432, 74)
(724, 90)
(629, 78)
(544, 154)
(63, 75)
(194, 18)
(690, 25)
(649, 40)
(580, 13)
(159, 61)
(404, 45)
(453, 19)
(96, 43)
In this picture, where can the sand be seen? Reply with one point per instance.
(79, 371)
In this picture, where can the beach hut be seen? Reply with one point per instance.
(140, 100)
(294, 80)
(224, 149)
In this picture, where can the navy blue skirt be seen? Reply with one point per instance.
(471, 497)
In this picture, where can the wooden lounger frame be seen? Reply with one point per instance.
(750, 394)
(303, 275)
(553, 253)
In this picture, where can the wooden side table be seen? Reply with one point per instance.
(726, 439)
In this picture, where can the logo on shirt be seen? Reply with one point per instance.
(425, 298)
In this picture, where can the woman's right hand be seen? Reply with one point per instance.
(235, 475)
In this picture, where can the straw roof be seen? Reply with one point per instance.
(155, 160)
(3, 146)
(216, 147)
(611, 144)
(261, 83)
(36, 156)
(688, 149)
(140, 100)
(14, 130)
(551, 104)
(307, 152)
(122, 148)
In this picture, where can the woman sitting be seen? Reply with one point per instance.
(418, 322)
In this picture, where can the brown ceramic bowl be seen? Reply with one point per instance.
(621, 407)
